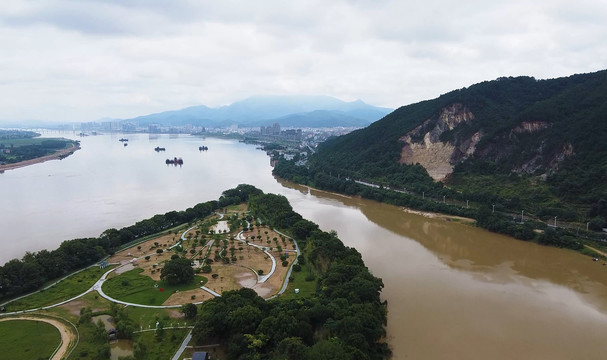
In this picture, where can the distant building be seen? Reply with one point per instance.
(154, 128)
(292, 134)
(273, 130)
(129, 127)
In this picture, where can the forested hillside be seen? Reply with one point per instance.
(518, 142)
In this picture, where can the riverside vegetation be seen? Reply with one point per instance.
(18, 145)
(519, 145)
(337, 315)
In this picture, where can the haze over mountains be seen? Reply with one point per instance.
(295, 111)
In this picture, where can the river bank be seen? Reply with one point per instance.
(428, 214)
(60, 154)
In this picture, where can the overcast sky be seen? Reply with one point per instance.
(82, 60)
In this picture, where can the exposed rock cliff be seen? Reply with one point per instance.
(423, 145)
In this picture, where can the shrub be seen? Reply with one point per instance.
(297, 268)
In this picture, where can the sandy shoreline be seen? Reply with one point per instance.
(427, 214)
(59, 154)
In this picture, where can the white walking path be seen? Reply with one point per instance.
(185, 343)
(182, 238)
(263, 278)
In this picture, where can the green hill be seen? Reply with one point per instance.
(517, 142)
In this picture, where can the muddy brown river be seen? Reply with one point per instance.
(458, 292)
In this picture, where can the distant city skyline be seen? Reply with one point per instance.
(66, 61)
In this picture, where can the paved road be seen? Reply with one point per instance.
(185, 343)
(286, 282)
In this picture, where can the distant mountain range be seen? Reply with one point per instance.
(294, 111)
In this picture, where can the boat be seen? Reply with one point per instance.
(174, 161)
(158, 148)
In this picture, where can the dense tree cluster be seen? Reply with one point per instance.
(18, 277)
(177, 271)
(343, 320)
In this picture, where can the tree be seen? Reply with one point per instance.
(189, 311)
(140, 350)
(293, 348)
(159, 251)
(160, 332)
(178, 271)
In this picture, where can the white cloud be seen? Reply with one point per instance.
(82, 60)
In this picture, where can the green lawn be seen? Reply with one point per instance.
(134, 288)
(161, 348)
(306, 288)
(146, 317)
(66, 289)
(20, 339)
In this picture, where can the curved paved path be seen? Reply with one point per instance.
(263, 278)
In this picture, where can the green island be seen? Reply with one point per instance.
(518, 156)
(244, 275)
(19, 146)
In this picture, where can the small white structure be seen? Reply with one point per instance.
(297, 291)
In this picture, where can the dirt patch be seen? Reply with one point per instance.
(184, 297)
(264, 290)
(175, 314)
(438, 215)
(147, 248)
(124, 268)
(273, 284)
(246, 279)
(73, 307)
(254, 258)
(259, 237)
(229, 277)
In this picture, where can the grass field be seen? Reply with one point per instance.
(25, 340)
(164, 347)
(135, 288)
(306, 288)
(66, 289)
